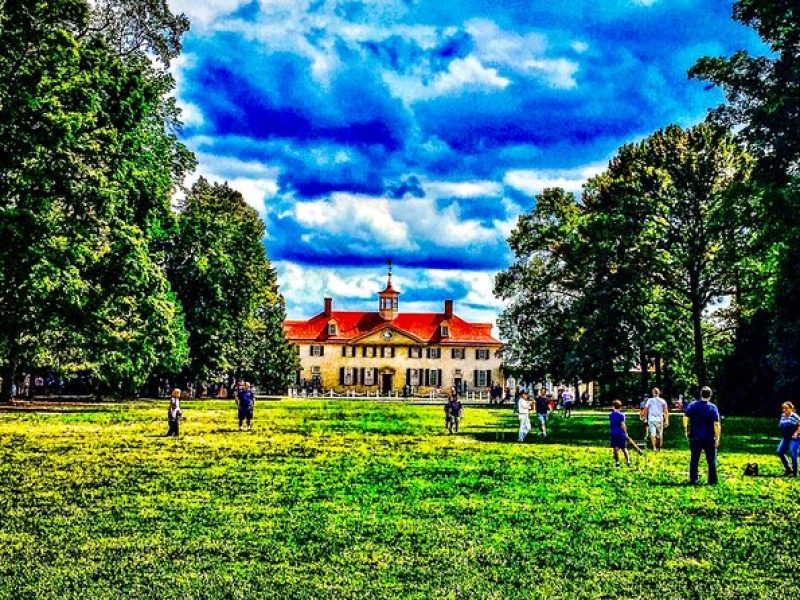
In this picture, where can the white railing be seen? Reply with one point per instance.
(432, 395)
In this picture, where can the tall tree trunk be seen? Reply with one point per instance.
(697, 328)
(659, 381)
(7, 372)
(644, 374)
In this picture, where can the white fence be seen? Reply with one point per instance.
(472, 396)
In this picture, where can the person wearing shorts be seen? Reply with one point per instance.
(618, 433)
(543, 410)
(657, 418)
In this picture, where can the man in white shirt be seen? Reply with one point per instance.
(524, 411)
(656, 413)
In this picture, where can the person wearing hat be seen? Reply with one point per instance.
(702, 428)
(524, 412)
(174, 412)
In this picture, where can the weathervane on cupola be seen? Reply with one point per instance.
(388, 304)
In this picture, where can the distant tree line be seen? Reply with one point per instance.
(99, 275)
(679, 265)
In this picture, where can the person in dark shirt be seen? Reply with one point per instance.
(702, 428)
(244, 403)
(618, 433)
(542, 412)
(452, 412)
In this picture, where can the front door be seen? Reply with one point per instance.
(386, 383)
(457, 385)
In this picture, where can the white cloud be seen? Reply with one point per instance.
(534, 181)
(468, 73)
(357, 218)
(524, 53)
(463, 189)
(203, 13)
(557, 72)
(580, 47)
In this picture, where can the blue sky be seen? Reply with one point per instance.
(419, 131)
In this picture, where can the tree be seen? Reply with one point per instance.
(676, 191)
(600, 286)
(764, 105)
(87, 169)
(234, 313)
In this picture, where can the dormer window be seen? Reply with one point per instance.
(444, 331)
(331, 328)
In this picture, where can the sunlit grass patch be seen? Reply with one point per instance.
(360, 499)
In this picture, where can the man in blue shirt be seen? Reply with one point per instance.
(244, 402)
(701, 425)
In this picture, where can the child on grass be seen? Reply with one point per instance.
(174, 413)
(618, 433)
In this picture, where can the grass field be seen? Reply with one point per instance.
(366, 500)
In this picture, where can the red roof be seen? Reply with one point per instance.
(423, 327)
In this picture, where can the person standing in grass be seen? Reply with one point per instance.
(618, 433)
(452, 412)
(524, 413)
(543, 410)
(790, 440)
(174, 413)
(702, 428)
(244, 404)
(657, 416)
(567, 399)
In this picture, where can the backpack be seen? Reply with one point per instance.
(751, 470)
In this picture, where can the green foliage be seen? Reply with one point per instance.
(764, 106)
(88, 172)
(349, 499)
(234, 313)
(600, 285)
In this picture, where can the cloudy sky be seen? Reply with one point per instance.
(419, 131)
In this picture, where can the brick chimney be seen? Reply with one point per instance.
(328, 305)
(448, 308)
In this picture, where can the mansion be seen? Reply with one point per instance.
(392, 352)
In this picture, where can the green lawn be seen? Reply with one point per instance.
(364, 500)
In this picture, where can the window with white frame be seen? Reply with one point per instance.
(444, 331)
(434, 353)
(369, 377)
(348, 351)
(458, 353)
(434, 378)
(331, 328)
(414, 352)
(482, 354)
(315, 371)
(316, 350)
(348, 376)
(483, 378)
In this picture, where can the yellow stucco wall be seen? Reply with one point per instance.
(332, 361)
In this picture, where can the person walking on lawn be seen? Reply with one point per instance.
(524, 412)
(244, 403)
(790, 440)
(174, 413)
(657, 417)
(702, 428)
(543, 410)
(618, 433)
(452, 412)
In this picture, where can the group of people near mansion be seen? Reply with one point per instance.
(700, 420)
